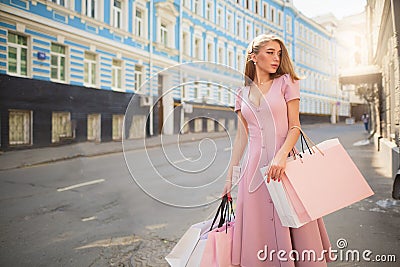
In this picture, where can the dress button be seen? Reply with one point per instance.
(272, 219)
(263, 146)
(262, 128)
(270, 201)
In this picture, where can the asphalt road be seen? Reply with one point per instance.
(125, 210)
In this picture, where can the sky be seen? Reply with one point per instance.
(339, 8)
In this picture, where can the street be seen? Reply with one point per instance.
(116, 210)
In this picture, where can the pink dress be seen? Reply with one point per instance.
(257, 225)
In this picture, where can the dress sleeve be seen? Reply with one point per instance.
(238, 100)
(291, 90)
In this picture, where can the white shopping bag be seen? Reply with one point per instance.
(189, 249)
(282, 204)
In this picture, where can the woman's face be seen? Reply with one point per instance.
(269, 57)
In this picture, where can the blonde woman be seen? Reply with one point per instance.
(267, 108)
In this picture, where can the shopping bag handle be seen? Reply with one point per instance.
(307, 140)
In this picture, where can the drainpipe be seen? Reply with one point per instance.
(182, 113)
(151, 115)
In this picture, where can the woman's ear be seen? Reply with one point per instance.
(253, 57)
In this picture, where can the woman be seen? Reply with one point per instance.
(268, 108)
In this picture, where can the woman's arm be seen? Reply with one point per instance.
(239, 144)
(278, 164)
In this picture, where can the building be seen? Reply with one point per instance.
(384, 26)
(73, 70)
(379, 81)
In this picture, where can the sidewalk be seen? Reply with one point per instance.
(31, 157)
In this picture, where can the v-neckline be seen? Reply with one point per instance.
(263, 95)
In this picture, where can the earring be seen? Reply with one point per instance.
(254, 63)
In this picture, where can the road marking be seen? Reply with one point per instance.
(181, 160)
(228, 148)
(80, 185)
(89, 219)
(116, 241)
(156, 226)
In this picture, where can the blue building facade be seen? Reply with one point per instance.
(124, 47)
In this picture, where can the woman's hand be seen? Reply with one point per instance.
(227, 187)
(277, 167)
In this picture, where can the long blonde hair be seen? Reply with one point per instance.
(285, 65)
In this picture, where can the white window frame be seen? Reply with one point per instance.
(61, 126)
(219, 16)
(280, 18)
(198, 7)
(257, 7)
(289, 24)
(210, 51)
(229, 22)
(239, 27)
(209, 11)
(87, 8)
(22, 129)
(249, 33)
(91, 64)
(272, 14)
(138, 77)
(116, 72)
(164, 34)
(197, 47)
(231, 58)
(19, 48)
(186, 43)
(140, 22)
(265, 10)
(221, 54)
(119, 24)
(94, 127)
(59, 2)
(117, 127)
(59, 59)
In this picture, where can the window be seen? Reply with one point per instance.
(197, 48)
(139, 27)
(90, 69)
(117, 127)
(239, 28)
(221, 55)
(248, 32)
(17, 54)
(209, 11)
(272, 14)
(164, 34)
(265, 10)
(196, 91)
(94, 127)
(210, 52)
(117, 14)
(60, 2)
(186, 43)
(90, 8)
(20, 130)
(197, 7)
(257, 7)
(61, 126)
(246, 4)
(58, 62)
(116, 74)
(230, 58)
(229, 22)
(138, 77)
(219, 17)
(280, 18)
(288, 24)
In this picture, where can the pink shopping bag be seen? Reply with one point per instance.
(218, 249)
(323, 182)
